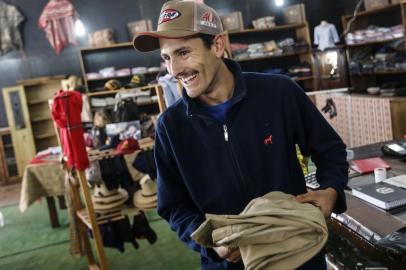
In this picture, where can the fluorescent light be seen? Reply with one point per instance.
(79, 28)
(279, 2)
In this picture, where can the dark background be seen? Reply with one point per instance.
(39, 59)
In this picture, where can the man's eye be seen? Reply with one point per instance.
(183, 53)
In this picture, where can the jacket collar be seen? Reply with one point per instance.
(239, 91)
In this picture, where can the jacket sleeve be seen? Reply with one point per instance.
(316, 138)
(174, 202)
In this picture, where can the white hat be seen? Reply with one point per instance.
(146, 197)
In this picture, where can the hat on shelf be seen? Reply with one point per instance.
(180, 19)
(146, 198)
(137, 80)
(112, 85)
(127, 146)
(109, 210)
(105, 199)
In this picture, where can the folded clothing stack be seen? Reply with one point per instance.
(295, 72)
(374, 33)
(386, 59)
(269, 48)
(299, 71)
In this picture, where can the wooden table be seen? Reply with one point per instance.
(363, 223)
(43, 180)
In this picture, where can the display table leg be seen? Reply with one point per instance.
(53, 214)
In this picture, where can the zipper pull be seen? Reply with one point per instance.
(225, 133)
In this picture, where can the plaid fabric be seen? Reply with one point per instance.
(359, 120)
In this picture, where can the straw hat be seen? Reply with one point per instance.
(146, 197)
(103, 198)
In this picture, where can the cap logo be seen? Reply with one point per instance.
(208, 20)
(168, 15)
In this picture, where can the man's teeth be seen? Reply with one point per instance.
(190, 78)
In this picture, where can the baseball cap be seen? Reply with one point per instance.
(180, 19)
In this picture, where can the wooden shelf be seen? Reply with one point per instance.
(304, 78)
(37, 101)
(108, 92)
(44, 136)
(104, 218)
(272, 29)
(271, 56)
(110, 107)
(373, 11)
(40, 119)
(118, 77)
(373, 42)
(399, 72)
(123, 45)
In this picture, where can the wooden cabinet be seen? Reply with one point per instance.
(367, 74)
(119, 56)
(29, 117)
(331, 68)
(8, 164)
(297, 31)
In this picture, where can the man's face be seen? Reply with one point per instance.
(191, 63)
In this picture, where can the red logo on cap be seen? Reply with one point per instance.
(208, 17)
(168, 15)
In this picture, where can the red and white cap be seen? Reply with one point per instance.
(180, 19)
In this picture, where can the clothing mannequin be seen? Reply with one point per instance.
(325, 35)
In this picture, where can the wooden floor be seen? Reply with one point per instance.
(9, 195)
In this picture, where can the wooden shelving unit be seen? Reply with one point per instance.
(109, 92)
(30, 120)
(373, 11)
(8, 164)
(387, 16)
(374, 42)
(272, 56)
(119, 55)
(269, 30)
(297, 31)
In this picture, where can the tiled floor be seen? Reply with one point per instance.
(9, 194)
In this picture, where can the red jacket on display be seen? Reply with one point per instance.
(66, 109)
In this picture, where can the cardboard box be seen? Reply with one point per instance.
(139, 26)
(373, 4)
(232, 21)
(294, 14)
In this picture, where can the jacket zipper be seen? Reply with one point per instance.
(225, 133)
(234, 157)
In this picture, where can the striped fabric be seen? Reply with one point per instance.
(58, 22)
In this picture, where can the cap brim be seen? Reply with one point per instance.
(149, 41)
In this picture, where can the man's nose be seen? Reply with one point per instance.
(174, 67)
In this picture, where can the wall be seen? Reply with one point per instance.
(38, 58)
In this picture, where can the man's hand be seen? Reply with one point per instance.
(324, 199)
(228, 253)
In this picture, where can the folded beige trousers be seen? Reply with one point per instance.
(272, 232)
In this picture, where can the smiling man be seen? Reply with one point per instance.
(232, 136)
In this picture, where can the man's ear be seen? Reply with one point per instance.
(219, 45)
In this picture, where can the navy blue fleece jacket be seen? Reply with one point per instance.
(209, 167)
